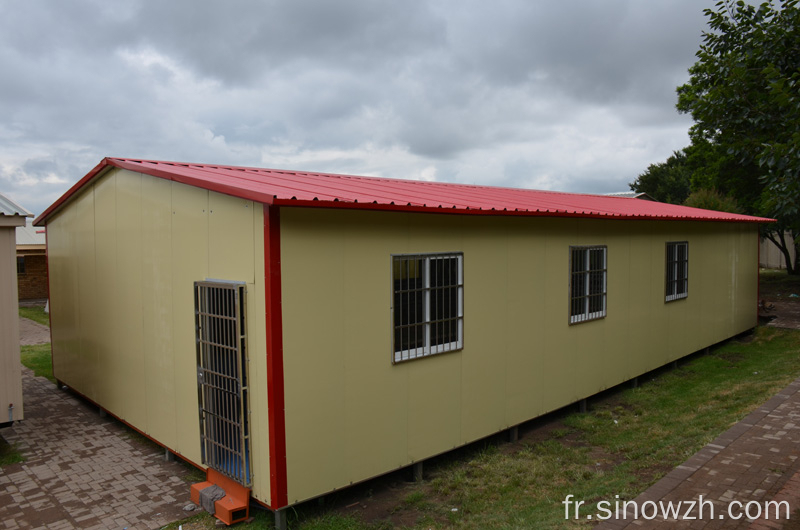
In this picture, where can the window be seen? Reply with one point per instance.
(677, 271)
(587, 283)
(428, 304)
(20, 264)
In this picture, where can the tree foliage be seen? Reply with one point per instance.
(711, 199)
(744, 96)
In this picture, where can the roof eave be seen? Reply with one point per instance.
(351, 205)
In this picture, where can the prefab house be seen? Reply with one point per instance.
(12, 215)
(296, 333)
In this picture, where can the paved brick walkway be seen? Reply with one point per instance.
(84, 471)
(755, 460)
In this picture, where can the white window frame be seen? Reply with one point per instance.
(427, 349)
(672, 264)
(584, 276)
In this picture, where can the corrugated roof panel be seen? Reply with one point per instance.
(9, 207)
(297, 188)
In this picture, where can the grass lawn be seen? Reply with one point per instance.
(629, 438)
(38, 359)
(9, 454)
(36, 314)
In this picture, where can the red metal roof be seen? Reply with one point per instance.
(320, 190)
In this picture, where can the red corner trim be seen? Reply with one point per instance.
(277, 419)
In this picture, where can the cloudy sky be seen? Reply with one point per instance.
(573, 95)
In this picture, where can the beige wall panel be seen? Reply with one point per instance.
(483, 390)
(157, 310)
(128, 324)
(63, 278)
(10, 368)
(526, 287)
(559, 346)
(644, 287)
(86, 379)
(434, 408)
(230, 235)
(124, 256)
(190, 250)
(521, 358)
(257, 341)
(313, 321)
(748, 279)
(367, 375)
(106, 297)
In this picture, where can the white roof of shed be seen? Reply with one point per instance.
(10, 208)
(30, 235)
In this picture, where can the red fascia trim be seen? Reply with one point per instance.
(275, 389)
(40, 221)
(155, 172)
(297, 203)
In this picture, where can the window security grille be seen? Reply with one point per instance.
(587, 284)
(222, 385)
(677, 271)
(428, 304)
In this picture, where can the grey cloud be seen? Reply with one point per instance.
(472, 90)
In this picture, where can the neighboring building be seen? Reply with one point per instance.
(342, 327)
(12, 215)
(631, 195)
(31, 262)
(770, 256)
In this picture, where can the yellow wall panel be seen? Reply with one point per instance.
(88, 376)
(123, 257)
(129, 332)
(105, 297)
(190, 258)
(157, 310)
(257, 362)
(521, 358)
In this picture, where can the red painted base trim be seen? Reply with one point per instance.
(275, 390)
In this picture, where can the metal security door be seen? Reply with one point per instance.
(222, 387)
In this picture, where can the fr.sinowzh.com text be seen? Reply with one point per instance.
(690, 510)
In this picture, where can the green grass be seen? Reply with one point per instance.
(38, 359)
(36, 314)
(9, 454)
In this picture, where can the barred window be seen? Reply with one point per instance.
(587, 283)
(428, 304)
(677, 271)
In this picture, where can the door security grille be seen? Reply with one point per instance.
(222, 387)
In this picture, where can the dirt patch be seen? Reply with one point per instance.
(32, 333)
(779, 304)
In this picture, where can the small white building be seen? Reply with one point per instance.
(12, 215)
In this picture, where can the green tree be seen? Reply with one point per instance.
(744, 96)
(665, 181)
(711, 199)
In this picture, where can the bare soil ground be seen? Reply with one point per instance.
(779, 304)
(32, 333)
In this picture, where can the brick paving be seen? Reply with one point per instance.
(84, 471)
(755, 460)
